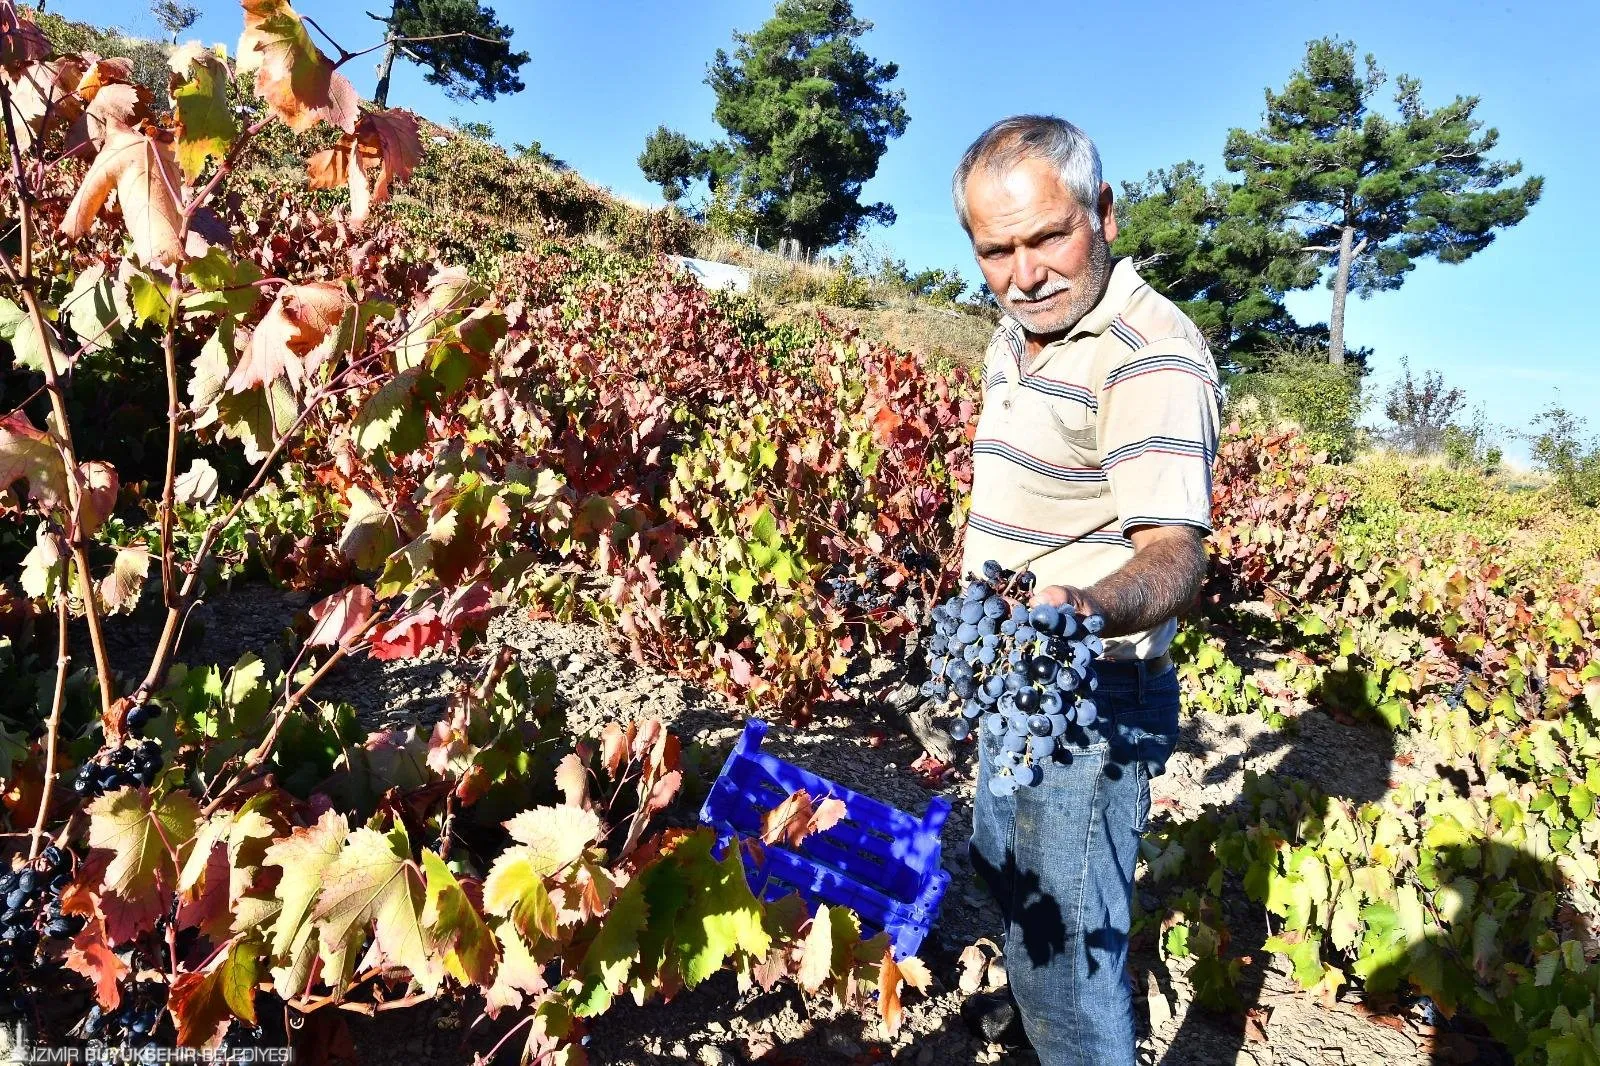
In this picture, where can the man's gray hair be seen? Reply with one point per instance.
(1011, 140)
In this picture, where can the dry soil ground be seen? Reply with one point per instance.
(854, 745)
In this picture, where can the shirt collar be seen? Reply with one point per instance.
(1124, 282)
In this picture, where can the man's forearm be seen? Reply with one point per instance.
(1151, 587)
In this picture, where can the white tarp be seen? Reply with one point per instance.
(715, 275)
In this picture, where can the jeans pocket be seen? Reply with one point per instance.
(1151, 751)
(1141, 799)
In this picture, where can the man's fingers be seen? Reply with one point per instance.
(1054, 595)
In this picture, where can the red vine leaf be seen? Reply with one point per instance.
(93, 958)
(295, 79)
(202, 1002)
(340, 616)
(100, 488)
(21, 41)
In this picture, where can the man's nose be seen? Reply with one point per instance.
(1027, 269)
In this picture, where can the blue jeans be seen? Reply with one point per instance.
(1059, 859)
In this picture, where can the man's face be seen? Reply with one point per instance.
(1037, 246)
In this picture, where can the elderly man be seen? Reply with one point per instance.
(1092, 468)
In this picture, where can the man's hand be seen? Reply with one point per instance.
(1161, 579)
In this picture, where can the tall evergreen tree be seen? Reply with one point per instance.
(1226, 269)
(1372, 193)
(174, 17)
(808, 115)
(467, 52)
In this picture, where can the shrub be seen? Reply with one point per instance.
(1322, 399)
(1561, 450)
(1420, 411)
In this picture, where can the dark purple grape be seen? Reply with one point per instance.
(1042, 669)
(1027, 701)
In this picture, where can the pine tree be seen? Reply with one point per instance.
(1372, 193)
(1228, 271)
(467, 52)
(174, 17)
(808, 115)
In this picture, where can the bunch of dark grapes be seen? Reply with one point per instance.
(125, 766)
(1024, 675)
(872, 591)
(32, 915)
(132, 1024)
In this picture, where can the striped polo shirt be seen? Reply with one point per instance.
(1109, 428)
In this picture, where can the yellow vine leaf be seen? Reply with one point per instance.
(303, 856)
(454, 930)
(374, 881)
(549, 840)
(198, 86)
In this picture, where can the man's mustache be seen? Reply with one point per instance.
(1043, 292)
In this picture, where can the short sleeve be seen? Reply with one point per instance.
(1158, 435)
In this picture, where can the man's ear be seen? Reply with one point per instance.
(1108, 213)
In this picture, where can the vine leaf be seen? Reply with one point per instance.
(146, 838)
(144, 174)
(391, 418)
(518, 974)
(90, 956)
(258, 418)
(41, 93)
(18, 329)
(198, 86)
(453, 927)
(198, 485)
(611, 954)
(295, 79)
(370, 531)
(119, 589)
(721, 917)
(299, 332)
(95, 309)
(303, 856)
(340, 616)
(549, 840)
(202, 1002)
(27, 452)
(385, 141)
(816, 953)
(100, 488)
(572, 778)
(374, 881)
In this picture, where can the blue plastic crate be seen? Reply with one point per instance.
(878, 861)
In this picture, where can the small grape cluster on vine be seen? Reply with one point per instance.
(1025, 673)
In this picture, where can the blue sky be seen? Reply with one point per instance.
(1153, 83)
